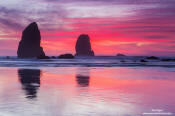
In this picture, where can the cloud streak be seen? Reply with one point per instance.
(139, 24)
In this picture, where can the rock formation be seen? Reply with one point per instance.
(83, 46)
(120, 55)
(43, 57)
(142, 60)
(66, 56)
(168, 60)
(29, 46)
(152, 58)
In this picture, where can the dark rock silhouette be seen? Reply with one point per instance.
(122, 61)
(83, 46)
(29, 46)
(152, 58)
(142, 60)
(53, 57)
(43, 57)
(120, 55)
(30, 80)
(168, 60)
(7, 57)
(66, 56)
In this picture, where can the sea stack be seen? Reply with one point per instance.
(83, 46)
(29, 46)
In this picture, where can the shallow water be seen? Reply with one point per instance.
(98, 61)
(86, 91)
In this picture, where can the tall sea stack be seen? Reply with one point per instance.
(29, 46)
(83, 46)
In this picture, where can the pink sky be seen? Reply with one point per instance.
(131, 27)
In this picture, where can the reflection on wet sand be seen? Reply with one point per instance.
(82, 77)
(30, 80)
(86, 91)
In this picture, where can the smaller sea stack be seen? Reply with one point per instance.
(83, 46)
(66, 56)
(29, 46)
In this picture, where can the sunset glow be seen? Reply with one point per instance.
(131, 27)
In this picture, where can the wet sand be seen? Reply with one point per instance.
(86, 91)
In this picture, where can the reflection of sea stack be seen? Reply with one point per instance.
(83, 46)
(82, 80)
(83, 77)
(29, 45)
(30, 80)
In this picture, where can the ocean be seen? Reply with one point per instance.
(87, 86)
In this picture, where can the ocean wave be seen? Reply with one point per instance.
(85, 62)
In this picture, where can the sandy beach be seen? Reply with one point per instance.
(85, 91)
